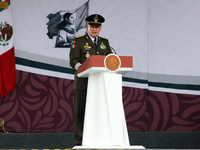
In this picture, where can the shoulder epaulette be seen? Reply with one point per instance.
(79, 36)
(103, 37)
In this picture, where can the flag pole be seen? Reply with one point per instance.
(88, 6)
(88, 12)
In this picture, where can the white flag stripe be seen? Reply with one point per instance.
(6, 17)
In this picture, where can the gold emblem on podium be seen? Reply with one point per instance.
(112, 62)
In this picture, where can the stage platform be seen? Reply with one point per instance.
(65, 140)
(109, 147)
(98, 149)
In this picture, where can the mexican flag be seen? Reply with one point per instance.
(7, 56)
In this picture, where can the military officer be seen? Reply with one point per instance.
(82, 47)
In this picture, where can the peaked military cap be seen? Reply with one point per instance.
(95, 19)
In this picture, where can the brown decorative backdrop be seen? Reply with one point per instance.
(45, 104)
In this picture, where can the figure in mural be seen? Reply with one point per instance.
(66, 31)
(65, 25)
(82, 48)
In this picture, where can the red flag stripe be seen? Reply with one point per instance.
(7, 72)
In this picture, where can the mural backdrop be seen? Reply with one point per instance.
(162, 93)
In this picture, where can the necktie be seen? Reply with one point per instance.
(95, 43)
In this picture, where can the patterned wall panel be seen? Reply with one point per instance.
(39, 104)
(173, 112)
(45, 104)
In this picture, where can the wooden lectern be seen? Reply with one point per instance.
(105, 124)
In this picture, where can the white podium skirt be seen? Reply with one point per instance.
(104, 123)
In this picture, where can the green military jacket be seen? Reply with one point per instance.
(81, 49)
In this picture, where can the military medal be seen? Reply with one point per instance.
(102, 46)
(87, 55)
(87, 47)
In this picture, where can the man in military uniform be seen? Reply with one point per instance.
(82, 48)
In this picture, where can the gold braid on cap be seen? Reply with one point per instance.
(94, 22)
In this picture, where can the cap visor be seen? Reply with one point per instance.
(95, 24)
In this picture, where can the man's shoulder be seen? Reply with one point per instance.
(78, 39)
(80, 36)
(103, 38)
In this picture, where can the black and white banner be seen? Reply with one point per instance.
(162, 36)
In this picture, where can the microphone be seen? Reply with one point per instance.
(113, 50)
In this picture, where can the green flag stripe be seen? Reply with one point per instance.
(8, 5)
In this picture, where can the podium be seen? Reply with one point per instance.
(104, 123)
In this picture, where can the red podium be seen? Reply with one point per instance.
(104, 122)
